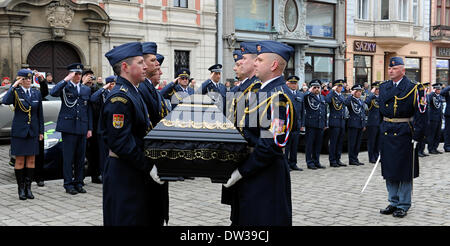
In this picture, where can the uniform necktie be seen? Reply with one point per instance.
(28, 93)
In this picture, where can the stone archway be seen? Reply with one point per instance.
(52, 56)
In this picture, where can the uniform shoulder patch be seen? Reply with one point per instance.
(118, 120)
(119, 99)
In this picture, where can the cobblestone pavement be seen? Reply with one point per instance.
(319, 197)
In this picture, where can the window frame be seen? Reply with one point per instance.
(388, 10)
(178, 3)
(363, 14)
(333, 22)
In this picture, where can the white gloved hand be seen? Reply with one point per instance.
(154, 175)
(235, 177)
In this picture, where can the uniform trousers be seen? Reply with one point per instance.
(434, 135)
(74, 150)
(373, 142)
(337, 135)
(354, 143)
(399, 194)
(313, 145)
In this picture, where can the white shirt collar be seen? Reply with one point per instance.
(397, 82)
(268, 81)
(25, 89)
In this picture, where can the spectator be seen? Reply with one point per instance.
(162, 84)
(325, 90)
(6, 81)
(304, 88)
(49, 78)
(193, 84)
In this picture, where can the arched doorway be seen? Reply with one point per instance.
(54, 57)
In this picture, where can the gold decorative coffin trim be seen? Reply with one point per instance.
(203, 154)
(198, 125)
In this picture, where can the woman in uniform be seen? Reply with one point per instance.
(27, 129)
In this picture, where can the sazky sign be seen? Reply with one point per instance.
(363, 46)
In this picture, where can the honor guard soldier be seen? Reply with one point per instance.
(421, 144)
(237, 56)
(373, 123)
(124, 123)
(402, 106)
(292, 145)
(264, 182)
(445, 93)
(213, 87)
(179, 89)
(356, 124)
(27, 129)
(336, 123)
(157, 111)
(75, 124)
(315, 123)
(435, 115)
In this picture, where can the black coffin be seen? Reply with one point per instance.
(196, 140)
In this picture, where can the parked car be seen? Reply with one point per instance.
(51, 106)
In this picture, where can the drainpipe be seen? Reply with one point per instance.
(220, 32)
(431, 43)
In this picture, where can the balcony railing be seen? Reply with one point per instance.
(440, 32)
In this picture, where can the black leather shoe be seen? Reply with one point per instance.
(433, 152)
(312, 167)
(354, 163)
(447, 150)
(439, 152)
(340, 163)
(388, 210)
(399, 213)
(40, 183)
(320, 166)
(373, 161)
(97, 180)
(421, 154)
(334, 165)
(295, 168)
(360, 163)
(80, 190)
(71, 191)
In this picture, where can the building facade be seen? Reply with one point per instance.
(48, 35)
(380, 29)
(440, 37)
(315, 29)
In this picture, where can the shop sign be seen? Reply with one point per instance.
(364, 46)
(443, 51)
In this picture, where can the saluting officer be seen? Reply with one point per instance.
(336, 123)
(178, 89)
(356, 124)
(315, 123)
(214, 88)
(265, 186)
(27, 129)
(402, 105)
(124, 123)
(373, 123)
(292, 145)
(446, 94)
(75, 124)
(435, 115)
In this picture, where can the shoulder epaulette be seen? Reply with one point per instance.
(123, 89)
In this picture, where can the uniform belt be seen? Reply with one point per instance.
(253, 149)
(112, 154)
(398, 120)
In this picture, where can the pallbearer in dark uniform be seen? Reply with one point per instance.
(421, 144)
(402, 105)
(315, 123)
(124, 123)
(435, 115)
(26, 131)
(336, 123)
(75, 124)
(264, 188)
(237, 56)
(177, 90)
(292, 145)
(356, 124)
(213, 87)
(373, 123)
(99, 97)
(445, 93)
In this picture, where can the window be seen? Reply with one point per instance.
(416, 12)
(253, 15)
(447, 13)
(180, 3)
(290, 68)
(385, 9)
(403, 10)
(320, 20)
(319, 67)
(442, 67)
(362, 69)
(181, 60)
(363, 9)
(412, 66)
(439, 12)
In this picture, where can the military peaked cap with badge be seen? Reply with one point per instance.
(76, 67)
(437, 86)
(149, 48)
(25, 73)
(237, 55)
(249, 48)
(183, 72)
(315, 82)
(293, 79)
(110, 79)
(376, 84)
(160, 59)
(123, 52)
(396, 61)
(87, 71)
(217, 68)
(338, 82)
(283, 50)
(357, 87)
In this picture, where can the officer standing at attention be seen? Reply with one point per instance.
(237, 56)
(421, 144)
(124, 123)
(402, 105)
(435, 115)
(373, 123)
(336, 123)
(26, 131)
(75, 124)
(315, 122)
(265, 185)
(177, 90)
(292, 145)
(356, 124)
(213, 87)
(445, 93)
